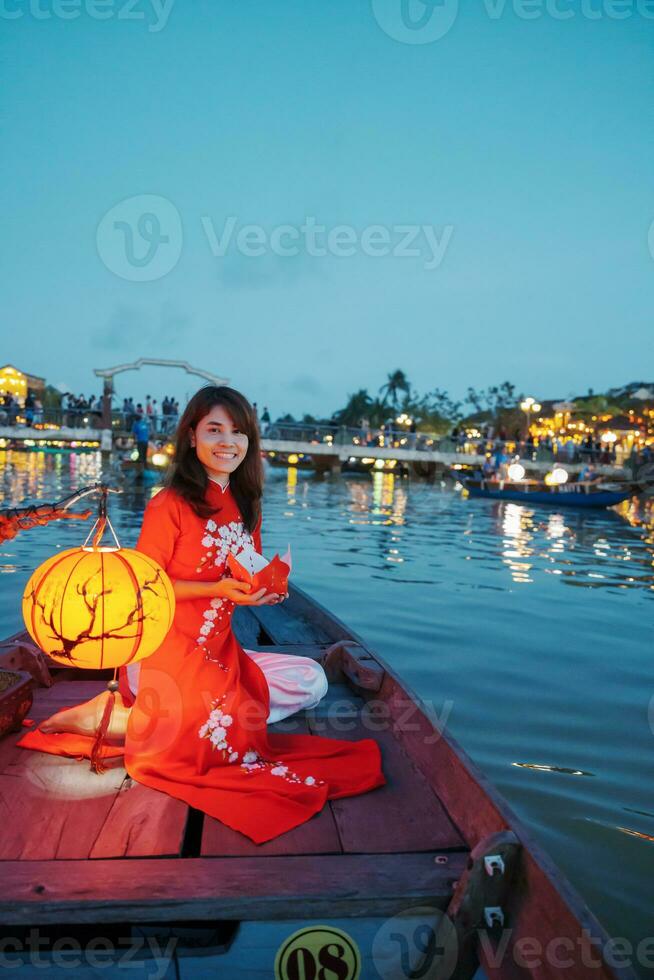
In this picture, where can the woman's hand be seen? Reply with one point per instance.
(239, 593)
(226, 588)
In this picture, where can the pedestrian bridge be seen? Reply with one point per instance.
(426, 461)
(328, 447)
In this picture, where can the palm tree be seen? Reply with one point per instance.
(358, 406)
(395, 383)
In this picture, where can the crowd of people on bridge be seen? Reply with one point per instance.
(161, 419)
(11, 409)
(154, 420)
(564, 449)
(75, 411)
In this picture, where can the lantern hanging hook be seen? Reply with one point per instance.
(102, 522)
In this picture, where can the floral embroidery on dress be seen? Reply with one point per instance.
(219, 542)
(252, 762)
(215, 729)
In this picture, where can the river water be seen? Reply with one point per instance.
(528, 629)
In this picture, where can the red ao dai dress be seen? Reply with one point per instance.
(198, 726)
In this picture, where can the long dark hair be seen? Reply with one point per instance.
(188, 477)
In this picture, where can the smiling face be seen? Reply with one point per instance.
(220, 445)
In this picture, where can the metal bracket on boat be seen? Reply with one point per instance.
(493, 863)
(493, 916)
(479, 904)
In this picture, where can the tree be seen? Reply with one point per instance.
(444, 406)
(496, 399)
(359, 405)
(396, 382)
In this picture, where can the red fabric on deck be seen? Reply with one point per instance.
(66, 744)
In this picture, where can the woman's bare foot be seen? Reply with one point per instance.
(83, 719)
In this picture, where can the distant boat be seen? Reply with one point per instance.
(561, 495)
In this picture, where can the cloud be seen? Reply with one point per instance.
(237, 271)
(306, 384)
(174, 325)
(131, 331)
(123, 331)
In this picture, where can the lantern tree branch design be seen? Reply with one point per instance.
(93, 601)
(22, 518)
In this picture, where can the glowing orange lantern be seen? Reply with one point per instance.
(99, 607)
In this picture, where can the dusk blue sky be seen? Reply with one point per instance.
(531, 140)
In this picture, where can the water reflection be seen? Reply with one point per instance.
(517, 527)
(28, 476)
(391, 523)
(544, 768)
(605, 549)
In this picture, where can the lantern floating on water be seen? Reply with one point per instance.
(557, 477)
(99, 607)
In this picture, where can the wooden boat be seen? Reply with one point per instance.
(86, 855)
(562, 495)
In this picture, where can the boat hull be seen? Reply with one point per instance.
(414, 847)
(558, 498)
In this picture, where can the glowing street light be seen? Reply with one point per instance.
(529, 406)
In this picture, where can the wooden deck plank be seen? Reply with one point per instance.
(315, 651)
(403, 815)
(55, 807)
(140, 890)
(282, 627)
(142, 822)
(318, 835)
(302, 606)
(64, 691)
(246, 627)
(339, 701)
(52, 807)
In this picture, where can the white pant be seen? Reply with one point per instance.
(294, 682)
